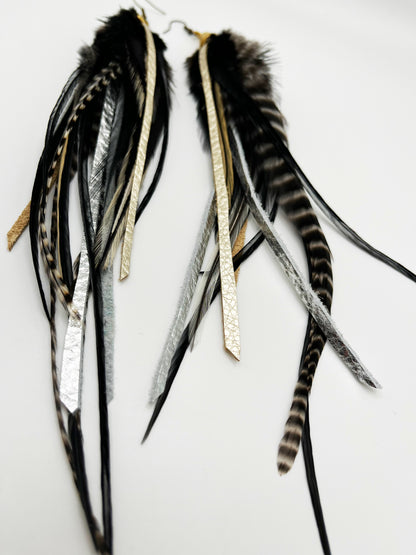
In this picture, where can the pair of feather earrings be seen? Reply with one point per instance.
(104, 130)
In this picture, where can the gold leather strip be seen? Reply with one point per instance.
(18, 227)
(228, 162)
(225, 144)
(228, 286)
(23, 220)
(239, 244)
(138, 169)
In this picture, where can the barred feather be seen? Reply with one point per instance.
(272, 178)
(112, 70)
(292, 198)
(73, 455)
(239, 68)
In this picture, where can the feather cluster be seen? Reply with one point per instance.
(112, 117)
(99, 137)
(261, 176)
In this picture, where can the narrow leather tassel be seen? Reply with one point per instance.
(184, 301)
(309, 298)
(72, 360)
(139, 165)
(228, 286)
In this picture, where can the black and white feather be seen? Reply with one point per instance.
(266, 177)
(92, 143)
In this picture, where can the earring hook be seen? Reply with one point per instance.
(156, 8)
(185, 26)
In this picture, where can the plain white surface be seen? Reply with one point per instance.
(206, 481)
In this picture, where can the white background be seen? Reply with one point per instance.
(206, 480)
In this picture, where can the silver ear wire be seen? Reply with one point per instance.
(156, 8)
(185, 26)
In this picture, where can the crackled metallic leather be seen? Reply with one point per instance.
(141, 153)
(72, 361)
(302, 287)
(228, 285)
(185, 300)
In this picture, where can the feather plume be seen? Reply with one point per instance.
(265, 177)
(94, 136)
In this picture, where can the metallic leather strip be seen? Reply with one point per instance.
(23, 220)
(106, 230)
(239, 244)
(302, 287)
(141, 153)
(72, 362)
(184, 303)
(228, 286)
(206, 301)
(109, 330)
(18, 227)
(222, 123)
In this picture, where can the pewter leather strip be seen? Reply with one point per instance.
(185, 299)
(72, 362)
(303, 289)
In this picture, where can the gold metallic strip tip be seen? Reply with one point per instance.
(18, 227)
(228, 284)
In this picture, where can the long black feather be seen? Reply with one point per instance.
(115, 63)
(251, 74)
(240, 67)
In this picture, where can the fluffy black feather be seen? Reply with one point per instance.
(245, 62)
(240, 68)
(116, 63)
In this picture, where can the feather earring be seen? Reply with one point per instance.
(230, 80)
(105, 128)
